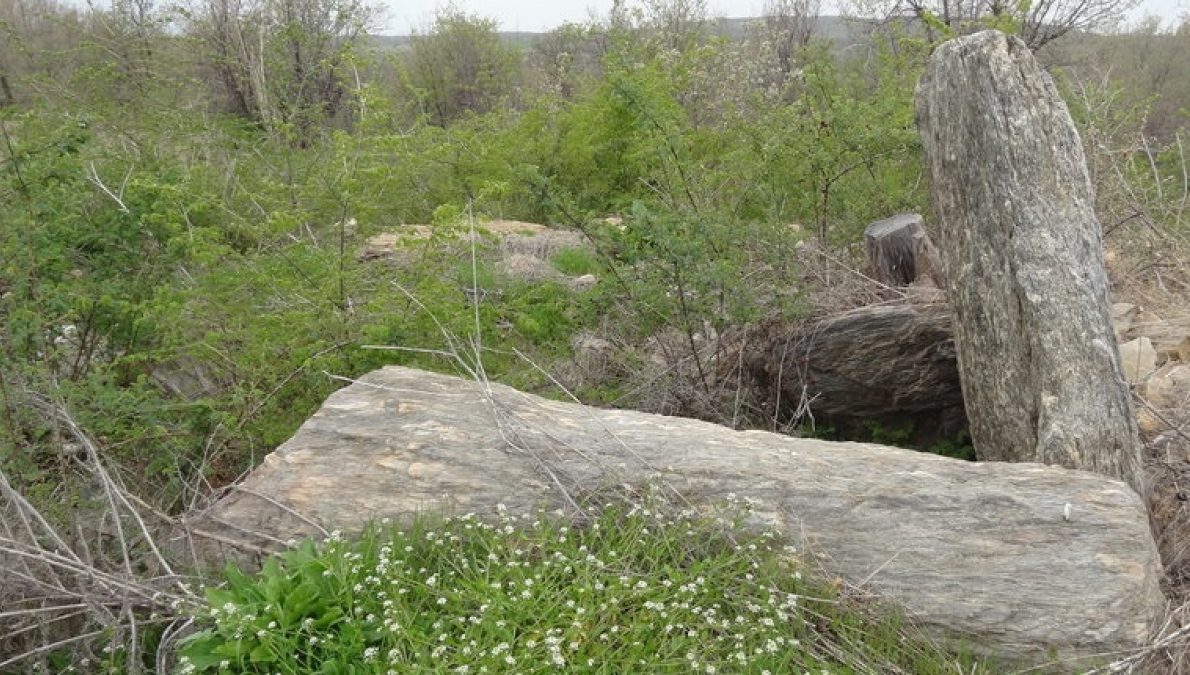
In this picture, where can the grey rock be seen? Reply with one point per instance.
(1021, 248)
(1123, 315)
(981, 551)
(1165, 397)
(1138, 359)
(901, 252)
(889, 365)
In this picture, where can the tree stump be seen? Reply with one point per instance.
(1021, 248)
(901, 252)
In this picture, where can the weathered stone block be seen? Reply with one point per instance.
(983, 551)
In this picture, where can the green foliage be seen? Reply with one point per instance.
(898, 436)
(182, 332)
(282, 64)
(1009, 22)
(564, 62)
(460, 67)
(1037, 24)
(84, 266)
(544, 313)
(903, 435)
(932, 20)
(642, 588)
(844, 153)
(575, 262)
(1136, 175)
(959, 447)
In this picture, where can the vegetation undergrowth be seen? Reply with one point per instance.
(644, 587)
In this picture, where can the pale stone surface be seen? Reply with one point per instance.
(1123, 314)
(1021, 247)
(520, 250)
(583, 283)
(1169, 332)
(392, 244)
(1138, 359)
(1166, 393)
(980, 550)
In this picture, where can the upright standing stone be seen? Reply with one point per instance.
(1021, 249)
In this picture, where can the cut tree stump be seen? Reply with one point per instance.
(1023, 257)
(901, 252)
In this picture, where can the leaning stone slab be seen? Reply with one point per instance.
(889, 365)
(982, 551)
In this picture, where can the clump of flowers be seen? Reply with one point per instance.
(634, 589)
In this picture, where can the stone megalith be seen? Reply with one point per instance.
(1021, 249)
(1025, 561)
(891, 365)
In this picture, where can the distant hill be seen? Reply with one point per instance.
(834, 28)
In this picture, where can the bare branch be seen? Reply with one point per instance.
(118, 199)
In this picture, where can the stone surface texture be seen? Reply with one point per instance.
(983, 551)
(1021, 249)
(889, 365)
(1165, 401)
(1138, 358)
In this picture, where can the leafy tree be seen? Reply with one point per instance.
(788, 26)
(36, 37)
(565, 60)
(459, 67)
(281, 63)
(675, 26)
(131, 28)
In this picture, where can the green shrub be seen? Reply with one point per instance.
(959, 447)
(898, 436)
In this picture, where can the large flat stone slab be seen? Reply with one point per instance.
(984, 551)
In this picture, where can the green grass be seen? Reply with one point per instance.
(575, 262)
(635, 589)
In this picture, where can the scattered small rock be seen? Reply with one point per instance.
(1138, 359)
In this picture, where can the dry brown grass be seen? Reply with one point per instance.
(1149, 267)
(105, 586)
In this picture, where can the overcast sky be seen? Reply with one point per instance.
(404, 16)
